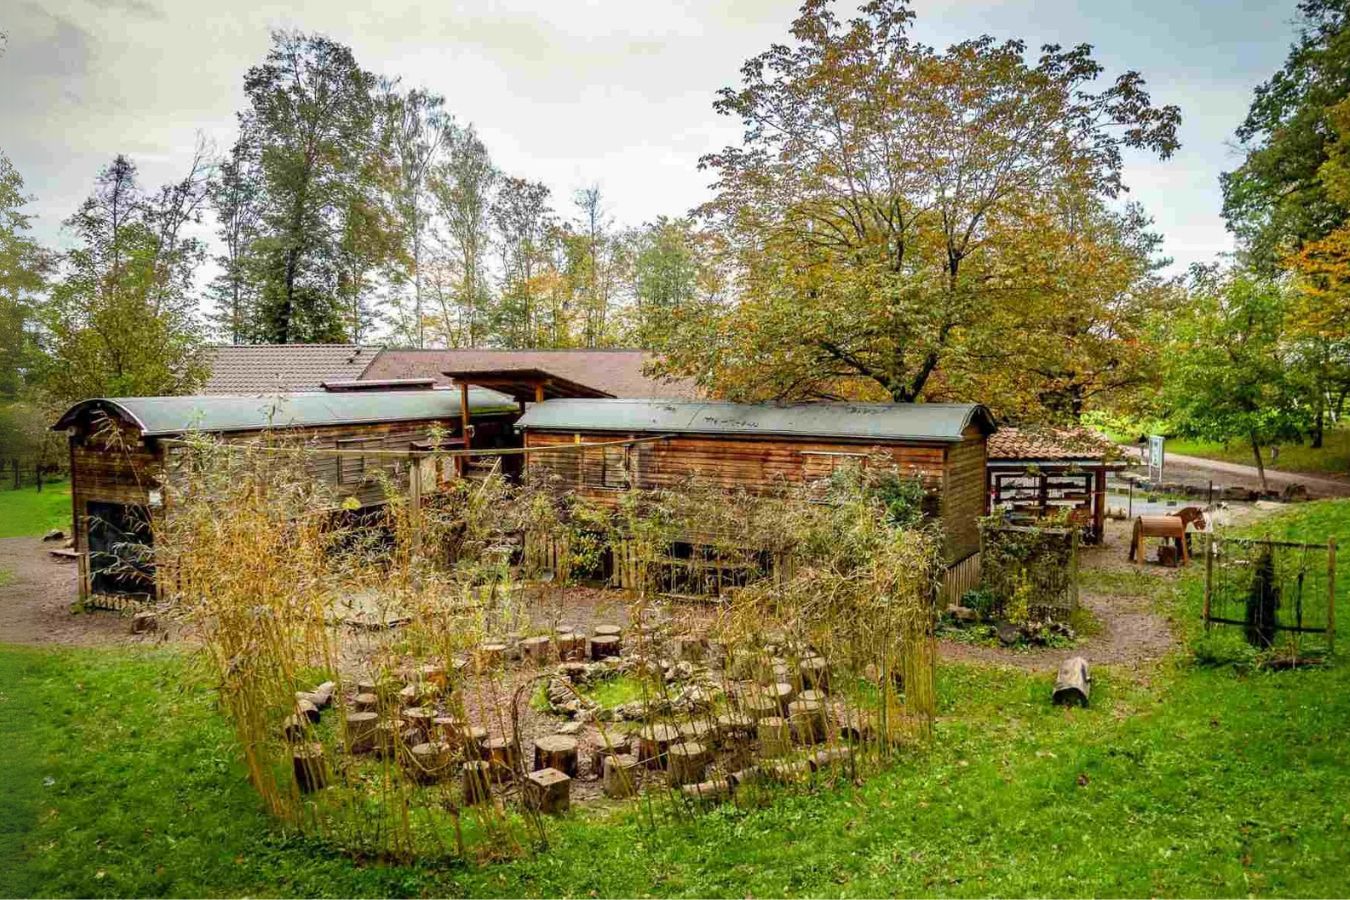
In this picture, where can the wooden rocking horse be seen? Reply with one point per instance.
(1171, 527)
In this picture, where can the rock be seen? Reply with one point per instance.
(56, 534)
(568, 728)
(1008, 633)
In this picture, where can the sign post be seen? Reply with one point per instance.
(1155, 458)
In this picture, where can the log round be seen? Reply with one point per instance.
(556, 751)
(310, 768)
(537, 649)
(620, 776)
(604, 646)
(366, 702)
(1074, 682)
(429, 762)
(653, 742)
(476, 782)
(775, 736)
(361, 731)
(815, 673)
(688, 762)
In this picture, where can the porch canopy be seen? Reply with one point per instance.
(525, 384)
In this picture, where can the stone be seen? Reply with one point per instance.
(56, 534)
(548, 791)
(569, 728)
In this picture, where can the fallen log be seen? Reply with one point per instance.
(1074, 683)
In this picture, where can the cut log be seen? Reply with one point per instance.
(829, 756)
(295, 728)
(620, 775)
(323, 694)
(708, 792)
(490, 656)
(429, 761)
(365, 703)
(361, 731)
(654, 741)
(814, 673)
(782, 693)
(697, 730)
(775, 736)
(758, 705)
(603, 646)
(572, 647)
(310, 768)
(1074, 683)
(537, 649)
(808, 720)
(745, 776)
(548, 791)
(307, 710)
(431, 673)
(504, 756)
(787, 772)
(418, 719)
(556, 751)
(688, 763)
(733, 727)
(608, 631)
(476, 782)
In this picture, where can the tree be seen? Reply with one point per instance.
(23, 269)
(671, 273)
(1226, 369)
(595, 270)
(419, 129)
(1277, 200)
(879, 211)
(524, 222)
(236, 195)
(313, 119)
(463, 187)
(121, 319)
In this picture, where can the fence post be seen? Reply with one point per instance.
(1209, 575)
(1331, 595)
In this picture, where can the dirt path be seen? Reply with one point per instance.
(36, 594)
(1132, 633)
(1317, 485)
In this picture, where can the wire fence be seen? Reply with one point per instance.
(1282, 594)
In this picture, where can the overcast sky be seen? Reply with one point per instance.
(618, 93)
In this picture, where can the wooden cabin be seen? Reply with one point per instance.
(756, 446)
(119, 448)
(1038, 473)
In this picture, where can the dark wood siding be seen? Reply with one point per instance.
(956, 471)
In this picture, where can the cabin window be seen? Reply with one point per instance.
(614, 467)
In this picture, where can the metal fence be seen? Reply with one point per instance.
(1281, 593)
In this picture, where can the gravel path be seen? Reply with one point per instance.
(36, 597)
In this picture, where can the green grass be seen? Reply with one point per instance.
(121, 779)
(1333, 458)
(30, 513)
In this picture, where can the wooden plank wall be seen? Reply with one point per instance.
(963, 496)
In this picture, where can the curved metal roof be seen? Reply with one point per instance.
(162, 416)
(937, 422)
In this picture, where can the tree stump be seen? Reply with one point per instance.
(144, 623)
(418, 719)
(688, 762)
(653, 743)
(775, 736)
(691, 648)
(572, 647)
(620, 775)
(310, 768)
(697, 730)
(782, 693)
(387, 738)
(620, 745)
(475, 780)
(548, 791)
(734, 726)
(490, 656)
(563, 630)
(368, 702)
(504, 757)
(608, 631)
(556, 751)
(708, 792)
(758, 705)
(858, 726)
(537, 649)
(429, 762)
(603, 646)
(814, 673)
(406, 696)
(432, 673)
(1074, 683)
(813, 695)
(808, 720)
(361, 731)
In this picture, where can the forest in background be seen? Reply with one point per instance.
(897, 222)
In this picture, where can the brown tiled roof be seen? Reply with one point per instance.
(273, 368)
(617, 372)
(1049, 444)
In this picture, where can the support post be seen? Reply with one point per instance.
(462, 462)
(538, 392)
(1209, 574)
(415, 506)
(1331, 596)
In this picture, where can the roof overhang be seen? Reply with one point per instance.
(526, 384)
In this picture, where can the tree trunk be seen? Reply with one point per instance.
(1260, 465)
(1318, 425)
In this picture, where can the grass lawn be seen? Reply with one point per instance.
(1333, 458)
(121, 779)
(28, 512)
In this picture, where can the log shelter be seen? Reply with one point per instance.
(1037, 473)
